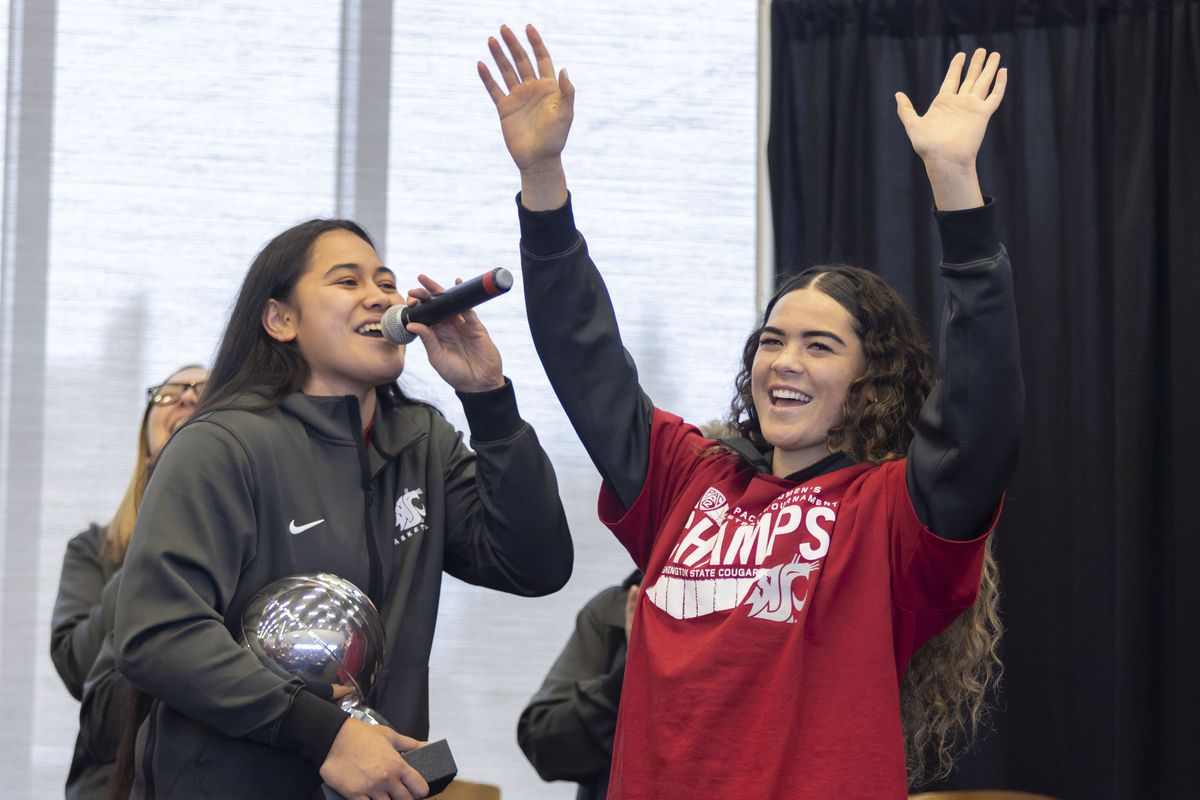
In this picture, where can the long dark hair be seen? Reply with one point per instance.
(252, 368)
(880, 413)
(943, 697)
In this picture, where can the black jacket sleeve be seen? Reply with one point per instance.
(965, 445)
(575, 332)
(967, 434)
(506, 528)
(567, 729)
(83, 611)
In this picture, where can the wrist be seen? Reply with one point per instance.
(543, 185)
(955, 184)
(949, 169)
(492, 416)
(479, 387)
(541, 168)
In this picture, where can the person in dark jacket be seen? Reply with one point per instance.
(87, 592)
(304, 457)
(816, 619)
(567, 729)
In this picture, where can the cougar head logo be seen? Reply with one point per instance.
(772, 597)
(410, 511)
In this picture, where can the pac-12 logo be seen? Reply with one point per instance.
(712, 500)
(410, 514)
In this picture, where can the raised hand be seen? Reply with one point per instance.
(458, 347)
(536, 108)
(948, 135)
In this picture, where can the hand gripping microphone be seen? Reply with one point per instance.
(454, 300)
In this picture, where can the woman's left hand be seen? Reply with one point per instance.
(948, 135)
(458, 347)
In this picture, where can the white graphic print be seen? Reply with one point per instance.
(727, 557)
(773, 597)
(410, 515)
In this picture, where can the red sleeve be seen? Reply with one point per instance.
(929, 573)
(675, 448)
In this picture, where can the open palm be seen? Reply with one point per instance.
(536, 107)
(951, 130)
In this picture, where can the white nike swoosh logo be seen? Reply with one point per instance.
(294, 528)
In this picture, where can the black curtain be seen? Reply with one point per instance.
(1093, 160)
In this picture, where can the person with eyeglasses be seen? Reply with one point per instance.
(91, 573)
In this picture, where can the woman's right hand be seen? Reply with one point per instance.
(535, 115)
(365, 761)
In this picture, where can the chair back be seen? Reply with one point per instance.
(469, 790)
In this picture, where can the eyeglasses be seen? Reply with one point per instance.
(170, 393)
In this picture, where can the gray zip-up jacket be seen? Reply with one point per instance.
(83, 618)
(241, 498)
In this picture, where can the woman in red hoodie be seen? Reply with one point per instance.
(794, 577)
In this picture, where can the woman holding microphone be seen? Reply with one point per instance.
(305, 457)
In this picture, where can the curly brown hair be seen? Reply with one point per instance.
(944, 696)
(880, 413)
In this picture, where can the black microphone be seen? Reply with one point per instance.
(454, 300)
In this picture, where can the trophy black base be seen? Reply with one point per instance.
(434, 761)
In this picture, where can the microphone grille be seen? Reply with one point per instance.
(502, 279)
(393, 328)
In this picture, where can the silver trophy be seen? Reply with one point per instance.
(323, 630)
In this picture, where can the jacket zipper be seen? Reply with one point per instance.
(374, 587)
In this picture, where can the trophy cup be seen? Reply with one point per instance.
(325, 631)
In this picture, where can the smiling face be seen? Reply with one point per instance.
(333, 316)
(163, 420)
(808, 355)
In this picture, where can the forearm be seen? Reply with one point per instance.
(574, 329)
(190, 662)
(83, 614)
(967, 434)
(74, 648)
(571, 738)
(508, 530)
(196, 668)
(567, 729)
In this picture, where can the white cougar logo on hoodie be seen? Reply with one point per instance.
(410, 514)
